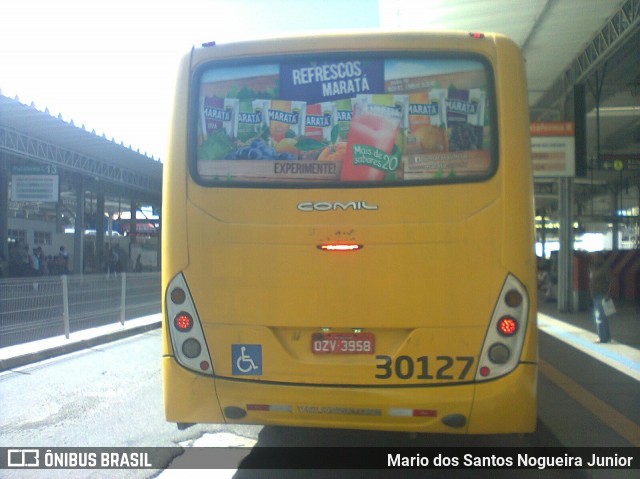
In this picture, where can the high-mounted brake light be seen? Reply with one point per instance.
(476, 35)
(340, 247)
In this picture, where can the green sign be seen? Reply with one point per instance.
(611, 162)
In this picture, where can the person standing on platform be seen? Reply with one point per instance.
(599, 284)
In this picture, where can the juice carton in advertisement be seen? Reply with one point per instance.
(261, 111)
(427, 122)
(465, 119)
(370, 143)
(344, 111)
(251, 119)
(286, 125)
(321, 140)
(220, 114)
(286, 119)
(319, 121)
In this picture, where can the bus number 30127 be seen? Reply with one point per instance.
(404, 367)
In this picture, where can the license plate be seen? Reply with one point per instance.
(342, 343)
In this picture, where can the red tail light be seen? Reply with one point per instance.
(183, 322)
(507, 326)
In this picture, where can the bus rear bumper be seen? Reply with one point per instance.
(507, 405)
(188, 398)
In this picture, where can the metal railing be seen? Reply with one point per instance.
(41, 307)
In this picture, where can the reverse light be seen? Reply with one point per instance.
(340, 247)
(499, 353)
(191, 348)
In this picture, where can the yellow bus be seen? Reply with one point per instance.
(347, 236)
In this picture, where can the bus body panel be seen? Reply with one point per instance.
(274, 287)
(506, 405)
(174, 250)
(516, 173)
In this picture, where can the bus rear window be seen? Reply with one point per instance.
(352, 120)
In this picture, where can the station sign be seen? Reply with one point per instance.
(35, 183)
(553, 149)
(613, 162)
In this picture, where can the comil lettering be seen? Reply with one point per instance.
(327, 206)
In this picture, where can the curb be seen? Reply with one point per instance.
(36, 356)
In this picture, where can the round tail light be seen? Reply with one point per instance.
(499, 353)
(513, 298)
(507, 326)
(178, 295)
(183, 322)
(191, 348)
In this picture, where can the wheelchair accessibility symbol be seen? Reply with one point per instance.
(246, 359)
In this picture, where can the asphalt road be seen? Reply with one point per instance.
(109, 395)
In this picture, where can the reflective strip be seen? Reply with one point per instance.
(425, 413)
(269, 407)
(403, 412)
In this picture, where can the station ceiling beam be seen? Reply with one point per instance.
(20, 144)
(612, 36)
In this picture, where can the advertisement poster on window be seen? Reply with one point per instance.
(348, 119)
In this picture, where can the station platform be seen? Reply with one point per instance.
(624, 325)
(576, 329)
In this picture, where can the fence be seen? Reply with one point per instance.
(38, 308)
